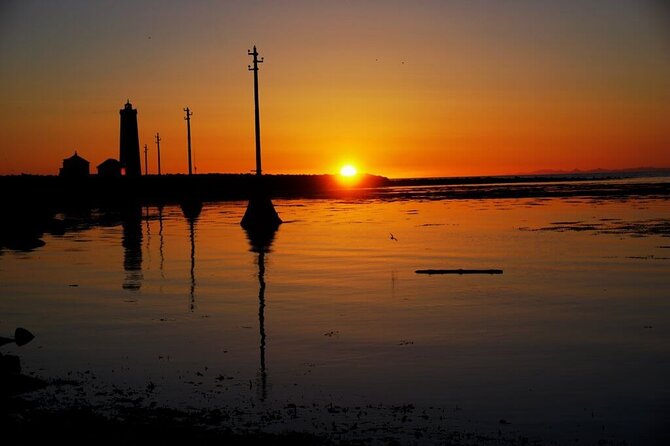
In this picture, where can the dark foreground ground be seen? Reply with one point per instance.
(85, 426)
(86, 411)
(28, 422)
(82, 411)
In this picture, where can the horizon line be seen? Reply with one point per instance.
(538, 172)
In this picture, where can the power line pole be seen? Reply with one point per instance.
(158, 149)
(188, 129)
(260, 214)
(146, 162)
(257, 113)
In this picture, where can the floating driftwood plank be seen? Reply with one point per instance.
(459, 271)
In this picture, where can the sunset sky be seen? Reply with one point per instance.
(396, 88)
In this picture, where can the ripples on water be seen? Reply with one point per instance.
(570, 342)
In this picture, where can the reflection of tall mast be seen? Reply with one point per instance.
(160, 237)
(191, 224)
(148, 225)
(261, 320)
(191, 216)
(260, 241)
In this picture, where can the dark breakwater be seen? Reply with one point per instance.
(153, 189)
(49, 192)
(31, 202)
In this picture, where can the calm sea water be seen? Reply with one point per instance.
(571, 342)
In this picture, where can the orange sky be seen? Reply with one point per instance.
(397, 88)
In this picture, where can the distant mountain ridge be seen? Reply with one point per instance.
(597, 171)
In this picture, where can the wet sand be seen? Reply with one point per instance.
(130, 416)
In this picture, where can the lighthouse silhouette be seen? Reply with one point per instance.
(129, 142)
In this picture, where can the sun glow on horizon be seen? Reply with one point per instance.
(348, 171)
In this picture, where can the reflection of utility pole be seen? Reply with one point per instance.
(146, 219)
(191, 230)
(158, 149)
(261, 321)
(160, 236)
(257, 113)
(188, 130)
(146, 162)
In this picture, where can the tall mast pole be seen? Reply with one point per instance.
(146, 162)
(188, 129)
(254, 53)
(158, 150)
(260, 213)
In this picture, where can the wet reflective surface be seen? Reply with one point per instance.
(571, 341)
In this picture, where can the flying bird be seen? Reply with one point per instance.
(392, 237)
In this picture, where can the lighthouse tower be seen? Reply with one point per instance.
(129, 142)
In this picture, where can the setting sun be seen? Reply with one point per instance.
(348, 171)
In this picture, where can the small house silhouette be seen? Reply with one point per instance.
(110, 168)
(74, 166)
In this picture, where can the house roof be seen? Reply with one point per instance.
(76, 158)
(110, 162)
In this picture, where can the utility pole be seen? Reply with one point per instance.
(158, 149)
(260, 214)
(146, 162)
(188, 129)
(257, 113)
